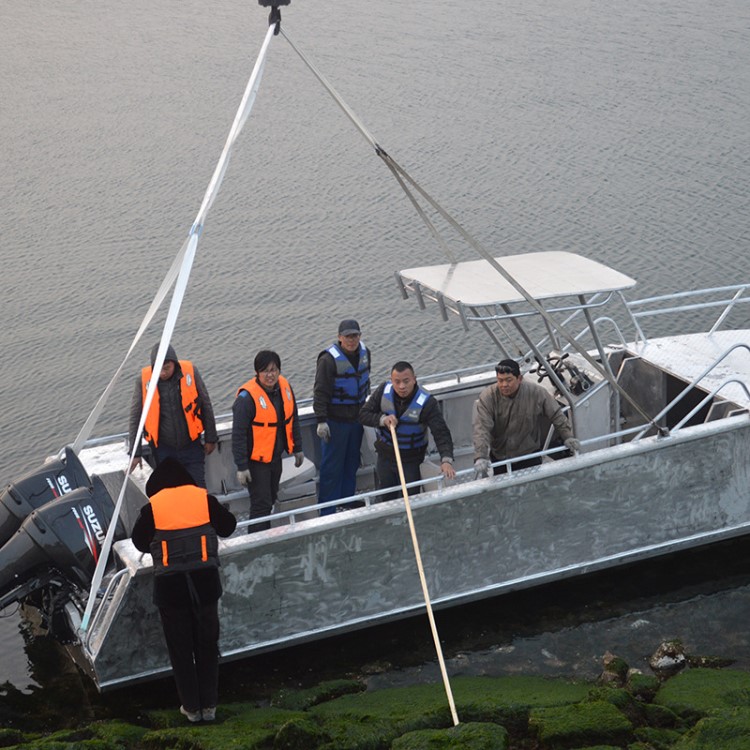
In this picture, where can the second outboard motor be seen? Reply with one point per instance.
(53, 479)
(62, 539)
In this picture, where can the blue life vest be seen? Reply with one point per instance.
(350, 386)
(410, 433)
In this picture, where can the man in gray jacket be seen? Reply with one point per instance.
(509, 418)
(180, 412)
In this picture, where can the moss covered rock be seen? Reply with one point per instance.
(580, 724)
(300, 734)
(724, 729)
(469, 736)
(656, 738)
(11, 737)
(237, 726)
(641, 686)
(299, 700)
(694, 692)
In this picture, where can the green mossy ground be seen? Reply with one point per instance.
(699, 709)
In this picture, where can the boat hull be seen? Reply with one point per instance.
(478, 539)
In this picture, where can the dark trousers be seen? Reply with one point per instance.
(192, 457)
(192, 637)
(387, 471)
(339, 463)
(515, 465)
(264, 489)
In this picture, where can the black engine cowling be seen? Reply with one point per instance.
(53, 479)
(61, 539)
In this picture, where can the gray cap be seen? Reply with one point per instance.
(348, 327)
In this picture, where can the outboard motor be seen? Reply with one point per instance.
(51, 480)
(59, 542)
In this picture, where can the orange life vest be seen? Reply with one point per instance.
(183, 536)
(266, 420)
(189, 393)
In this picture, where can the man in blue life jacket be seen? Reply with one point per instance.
(342, 384)
(412, 411)
(179, 527)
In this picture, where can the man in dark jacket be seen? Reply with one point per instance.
(342, 384)
(179, 527)
(411, 410)
(180, 411)
(265, 425)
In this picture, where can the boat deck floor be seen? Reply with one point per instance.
(689, 356)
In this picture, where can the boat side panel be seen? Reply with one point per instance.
(476, 539)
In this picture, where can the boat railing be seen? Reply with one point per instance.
(693, 386)
(456, 376)
(709, 398)
(648, 307)
(102, 607)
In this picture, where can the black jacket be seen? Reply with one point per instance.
(173, 429)
(431, 417)
(243, 414)
(325, 375)
(174, 589)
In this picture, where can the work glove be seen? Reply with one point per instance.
(243, 477)
(324, 431)
(299, 457)
(482, 467)
(573, 445)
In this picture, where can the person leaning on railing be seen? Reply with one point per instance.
(507, 424)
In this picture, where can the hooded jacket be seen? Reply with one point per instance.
(182, 588)
(173, 430)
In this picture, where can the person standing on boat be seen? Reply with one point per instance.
(265, 425)
(179, 527)
(342, 384)
(509, 418)
(403, 403)
(180, 411)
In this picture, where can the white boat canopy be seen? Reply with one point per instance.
(544, 275)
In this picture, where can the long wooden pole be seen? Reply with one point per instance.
(425, 592)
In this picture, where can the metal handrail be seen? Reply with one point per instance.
(728, 304)
(102, 607)
(709, 398)
(692, 385)
(510, 315)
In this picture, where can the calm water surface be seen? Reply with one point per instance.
(618, 131)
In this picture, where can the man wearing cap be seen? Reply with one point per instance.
(342, 384)
(509, 418)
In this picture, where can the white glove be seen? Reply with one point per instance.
(482, 467)
(243, 477)
(324, 431)
(299, 457)
(573, 445)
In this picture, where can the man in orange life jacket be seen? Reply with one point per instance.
(411, 410)
(179, 527)
(180, 411)
(264, 426)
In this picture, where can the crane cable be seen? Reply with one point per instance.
(404, 177)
